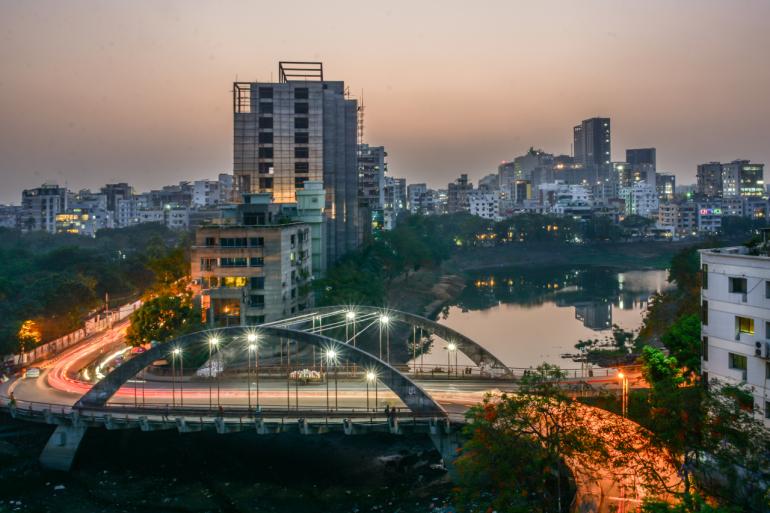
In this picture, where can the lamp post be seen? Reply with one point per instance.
(451, 348)
(331, 357)
(351, 316)
(251, 338)
(370, 376)
(213, 341)
(384, 320)
(173, 379)
(624, 393)
(177, 352)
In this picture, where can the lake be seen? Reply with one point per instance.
(529, 316)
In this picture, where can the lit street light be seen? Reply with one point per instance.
(624, 393)
(451, 348)
(371, 376)
(213, 342)
(331, 357)
(177, 352)
(384, 320)
(252, 347)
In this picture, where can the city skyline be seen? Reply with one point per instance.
(141, 93)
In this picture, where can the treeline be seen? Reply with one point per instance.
(56, 281)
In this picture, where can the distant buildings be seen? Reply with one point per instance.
(641, 199)
(40, 206)
(666, 186)
(457, 195)
(737, 178)
(301, 128)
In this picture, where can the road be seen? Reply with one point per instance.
(603, 489)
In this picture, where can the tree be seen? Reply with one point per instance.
(162, 318)
(513, 460)
(684, 343)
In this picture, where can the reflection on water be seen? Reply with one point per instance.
(527, 316)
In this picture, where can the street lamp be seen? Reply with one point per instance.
(252, 347)
(213, 342)
(177, 352)
(624, 393)
(331, 357)
(451, 348)
(371, 376)
(384, 320)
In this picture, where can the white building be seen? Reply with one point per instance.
(485, 204)
(641, 199)
(561, 198)
(735, 324)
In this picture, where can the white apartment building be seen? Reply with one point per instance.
(735, 325)
(641, 199)
(485, 204)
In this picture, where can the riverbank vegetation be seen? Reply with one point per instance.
(53, 282)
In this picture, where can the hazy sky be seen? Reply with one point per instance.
(94, 92)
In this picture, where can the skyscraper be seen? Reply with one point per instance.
(636, 156)
(742, 178)
(709, 179)
(592, 145)
(298, 129)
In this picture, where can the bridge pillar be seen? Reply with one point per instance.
(447, 442)
(60, 451)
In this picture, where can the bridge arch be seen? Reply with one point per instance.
(480, 356)
(411, 394)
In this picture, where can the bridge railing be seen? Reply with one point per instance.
(473, 372)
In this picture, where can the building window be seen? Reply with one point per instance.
(266, 168)
(266, 138)
(704, 313)
(705, 348)
(301, 93)
(211, 241)
(265, 153)
(737, 361)
(301, 152)
(232, 242)
(301, 123)
(255, 319)
(256, 261)
(301, 138)
(265, 183)
(738, 286)
(208, 264)
(234, 281)
(265, 92)
(767, 409)
(299, 182)
(767, 370)
(744, 325)
(301, 167)
(301, 108)
(265, 107)
(232, 262)
(257, 300)
(258, 282)
(256, 242)
(767, 289)
(265, 122)
(705, 276)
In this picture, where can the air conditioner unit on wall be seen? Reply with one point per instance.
(762, 349)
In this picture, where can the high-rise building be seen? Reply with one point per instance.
(666, 185)
(709, 180)
(300, 128)
(742, 178)
(372, 167)
(637, 156)
(40, 206)
(592, 146)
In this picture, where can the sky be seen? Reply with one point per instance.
(102, 91)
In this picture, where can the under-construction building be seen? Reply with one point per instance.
(301, 128)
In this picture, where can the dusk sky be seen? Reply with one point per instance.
(94, 92)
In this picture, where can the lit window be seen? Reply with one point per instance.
(737, 361)
(745, 325)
